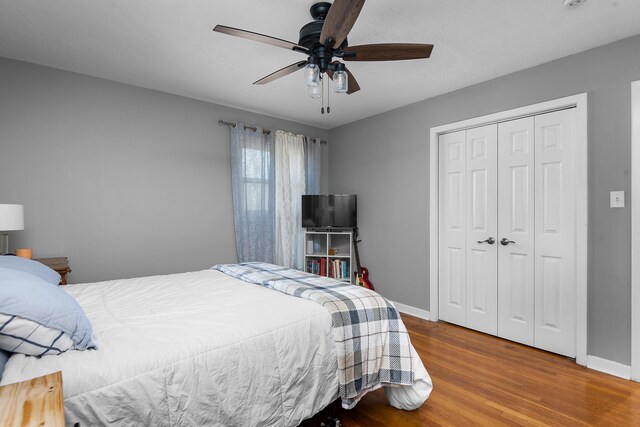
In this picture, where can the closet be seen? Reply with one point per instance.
(507, 208)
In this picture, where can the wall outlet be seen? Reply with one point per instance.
(616, 199)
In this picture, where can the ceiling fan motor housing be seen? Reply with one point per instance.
(310, 34)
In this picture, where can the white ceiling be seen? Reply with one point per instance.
(169, 45)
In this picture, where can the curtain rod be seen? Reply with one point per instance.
(265, 131)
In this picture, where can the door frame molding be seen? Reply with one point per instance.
(579, 102)
(635, 230)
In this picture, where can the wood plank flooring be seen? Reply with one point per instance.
(483, 380)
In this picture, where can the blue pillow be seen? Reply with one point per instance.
(4, 356)
(30, 266)
(50, 312)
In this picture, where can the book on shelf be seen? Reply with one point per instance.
(313, 266)
(334, 268)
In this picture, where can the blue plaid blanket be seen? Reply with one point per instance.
(372, 343)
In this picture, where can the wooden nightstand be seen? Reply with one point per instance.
(36, 402)
(59, 264)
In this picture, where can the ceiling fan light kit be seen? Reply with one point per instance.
(324, 39)
(311, 74)
(341, 80)
(315, 92)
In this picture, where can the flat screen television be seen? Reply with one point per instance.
(329, 211)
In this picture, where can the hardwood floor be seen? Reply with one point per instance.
(483, 380)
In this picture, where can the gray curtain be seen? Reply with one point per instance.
(313, 158)
(253, 181)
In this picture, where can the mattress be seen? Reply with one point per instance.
(197, 348)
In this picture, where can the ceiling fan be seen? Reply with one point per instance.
(324, 39)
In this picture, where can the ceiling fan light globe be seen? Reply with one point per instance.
(311, 75)
(341, 81)
(315, 92)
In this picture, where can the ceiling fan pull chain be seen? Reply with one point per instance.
(328, 99)
(322, 82)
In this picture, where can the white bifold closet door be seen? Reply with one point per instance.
(452, 213)
(555, 216)
(468, 212)
(516, 283)
(482, 225)
(507, 206)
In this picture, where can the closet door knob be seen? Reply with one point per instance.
(504, 241)
(489, 240)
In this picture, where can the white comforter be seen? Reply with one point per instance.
(197, 348)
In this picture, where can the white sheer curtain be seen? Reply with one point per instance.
(253, 188)
(290, 186)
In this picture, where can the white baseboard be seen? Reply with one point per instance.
(417, 312)
(609, 367)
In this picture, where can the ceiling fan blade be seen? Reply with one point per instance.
(352, 86)
(339, 21)
(281, 73)
(260, 38)
(387, 52)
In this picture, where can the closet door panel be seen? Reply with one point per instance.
(482, 224)
(555, 304)
(516, 226)
(452, 228)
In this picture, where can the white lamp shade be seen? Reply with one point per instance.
(11, 217)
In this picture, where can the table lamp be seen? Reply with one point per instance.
(11, 219)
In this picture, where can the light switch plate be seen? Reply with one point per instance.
(617, 199)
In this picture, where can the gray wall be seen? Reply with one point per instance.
(124, 181)
(385, 160)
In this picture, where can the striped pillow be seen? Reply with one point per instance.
(19, 335)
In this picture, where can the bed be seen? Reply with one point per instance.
(200, 348)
